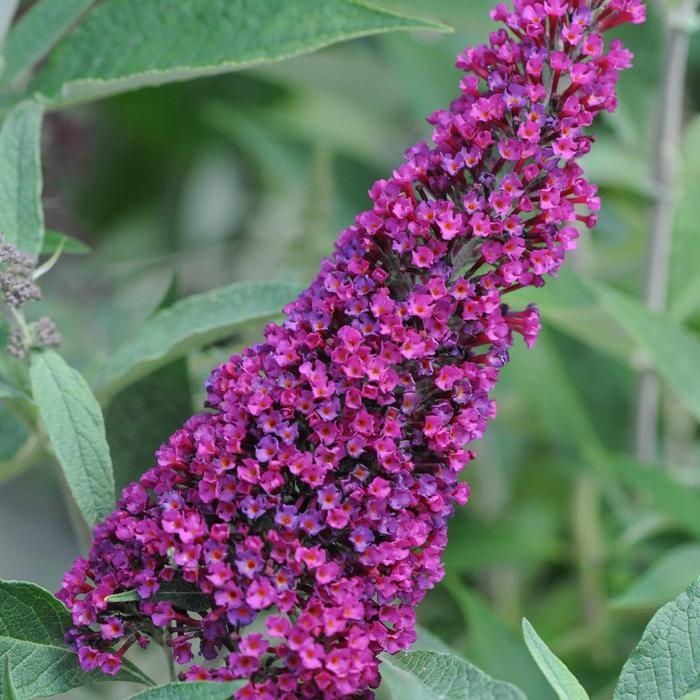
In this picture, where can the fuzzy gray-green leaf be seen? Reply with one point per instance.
(127, 44)
(666, 663)
(74, 424)
(199, 690)
(32, 628)
(433, 675)
(189, 324)
(9, 692)
(21, 214)
(36, 32)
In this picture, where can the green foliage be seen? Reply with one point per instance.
(200, 690)
(139, 416)
(73, 421)
(188, 324)
(495, 647)
(560, 678)
(666, 578)
(21, 214)
(672, 350)
(684, 278)
(35, 33)
(32, 628)
(432, 675)
(201, 37)
(182, 595)
(569, 305)
(249, 175)
(53, 241)
(665, 663)
(9, 692)
(679, 503)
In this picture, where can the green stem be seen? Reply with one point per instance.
(664, 166)
(169, 656)
(28, 456)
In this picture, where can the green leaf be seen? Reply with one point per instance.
(127, 44)
(663, 580)
(684, 277)
(36, 32)
(666, 663)
(188, 324)
(198, 690)
(21, 215)
(32, 628)
(427, 641)
(73, 422)
(557, 402)
(163, 400)
(180, 593)
(9, 692)
(432, 675)
(7, 12)
(568, 304)
(527, 537)
(673, 351)
(678, 502)
(52, 242)
(495, 647)
(560, 678)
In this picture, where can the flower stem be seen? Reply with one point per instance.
(169, 656)
(664, 158)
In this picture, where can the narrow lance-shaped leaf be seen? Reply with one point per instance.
(678, 502)
(74, 424)
(178, 592)
(188, 324)
(163, 400)
(36, 33)
(560, 678)
(495, 647)
(673, 350)
(433, 675)
(666, 664)
(21, 215)
(200, 690)
(126, 44)
(666, 578)
(570, 306)
(32, 628)
(54, 239)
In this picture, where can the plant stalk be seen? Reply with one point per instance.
(664, 166)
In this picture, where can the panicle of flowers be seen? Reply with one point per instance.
(313, 497)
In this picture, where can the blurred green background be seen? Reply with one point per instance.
(250, 176)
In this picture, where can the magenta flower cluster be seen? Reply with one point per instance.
(287, 534)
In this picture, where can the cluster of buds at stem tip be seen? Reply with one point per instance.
(18, 286)
(304, 513)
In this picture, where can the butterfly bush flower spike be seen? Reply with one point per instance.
(312, 496)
